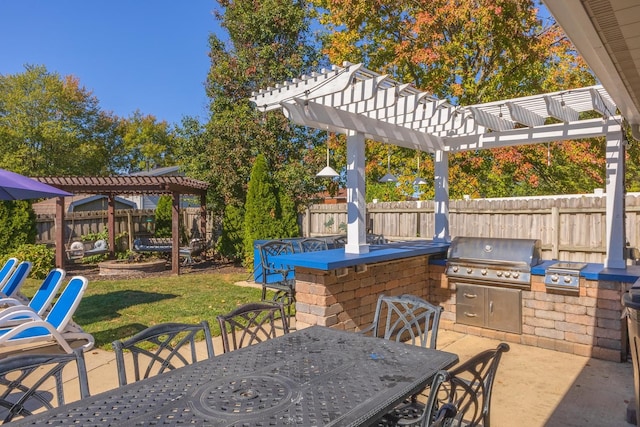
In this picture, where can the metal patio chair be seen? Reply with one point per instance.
(459, 397)
(312, 245)
(405, 317)
(161, 348)
(251, 324)
(275, 276)
(25, 383)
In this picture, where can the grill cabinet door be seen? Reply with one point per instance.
(470, 305)
(504, 309)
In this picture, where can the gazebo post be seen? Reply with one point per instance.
(59, 225)
(111, 223)
(175, 232)
(203, 218)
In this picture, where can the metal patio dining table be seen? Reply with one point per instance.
(316, 376)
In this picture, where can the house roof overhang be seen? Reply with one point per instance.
(607, 35)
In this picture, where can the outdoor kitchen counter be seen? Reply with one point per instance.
(333, 259)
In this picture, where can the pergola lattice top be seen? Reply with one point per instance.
(353, 98)
(127, 184)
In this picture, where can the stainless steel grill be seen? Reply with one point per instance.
(482, 270)
(493, 261)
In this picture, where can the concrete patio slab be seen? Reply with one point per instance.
(534, 387)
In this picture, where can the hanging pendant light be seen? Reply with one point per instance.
(419, 180)
(389, 177)
(328, 171)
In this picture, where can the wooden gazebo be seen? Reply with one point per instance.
(112, 186)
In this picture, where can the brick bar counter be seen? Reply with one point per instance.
(340, 290)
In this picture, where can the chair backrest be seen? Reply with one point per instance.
(340, 242)
(270, 268)
(406, 317)
(468, 388)
(47, 291)
(7, 269)
(67, 302)
(17, 278)
(251, 323)
(313, 245)
(161, 348)
(25, 383)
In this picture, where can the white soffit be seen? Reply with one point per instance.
(607, 35)
(352, 98)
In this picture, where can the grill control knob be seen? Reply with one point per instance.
(469, 270)
(483, 271)
(499, 273)
(555, 278)
(516, 275)
(454, 268)
(507, 274)
(567, 279)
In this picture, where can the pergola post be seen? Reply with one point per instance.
(175, 233)
(59, 224)
(356, 202)
(111, 223)
(203, 218)
(441, 219)
(615, 218)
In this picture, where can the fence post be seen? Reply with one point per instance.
(555, 232)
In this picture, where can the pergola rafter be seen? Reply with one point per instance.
(363, 104)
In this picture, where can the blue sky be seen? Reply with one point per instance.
(149, 55)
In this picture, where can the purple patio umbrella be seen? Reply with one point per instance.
(14, 186)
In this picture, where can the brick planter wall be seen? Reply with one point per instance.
(588, 324)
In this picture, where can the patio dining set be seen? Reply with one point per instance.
(389, 373)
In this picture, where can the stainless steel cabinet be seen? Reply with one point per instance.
(489, 307)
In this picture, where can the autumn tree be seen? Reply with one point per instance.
(148, 144)
(469, 52)
(51, 125)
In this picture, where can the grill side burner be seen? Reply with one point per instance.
(564, 276)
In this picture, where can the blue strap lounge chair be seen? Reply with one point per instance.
(12, 286)
(6, 270)
(56, 326)
(40, 302)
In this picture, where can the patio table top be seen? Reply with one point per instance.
(315, 376)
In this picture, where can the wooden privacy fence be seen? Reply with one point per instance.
(571, 228)
(130, 223)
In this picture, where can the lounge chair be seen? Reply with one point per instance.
(6, 270)
(12, 286)
(56, 327)
(40, 302)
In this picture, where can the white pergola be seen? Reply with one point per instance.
(366, 105)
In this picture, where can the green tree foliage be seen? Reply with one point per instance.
(269, 42)
(469, 52)
(17, 225)
(269, 212)
(51, 125)
(148, 144)
(42, 258)
(163, 217)
(231, 243)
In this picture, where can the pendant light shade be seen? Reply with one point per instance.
(389, 177)
(327, 171)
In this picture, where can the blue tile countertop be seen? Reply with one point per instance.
(336, 258)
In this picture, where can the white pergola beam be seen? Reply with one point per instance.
(526, 136)
(559, 111)
(601, 105)
(491, 121)
(524, 116)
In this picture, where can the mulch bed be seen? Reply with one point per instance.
(91, 271)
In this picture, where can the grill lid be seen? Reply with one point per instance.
(495, 251)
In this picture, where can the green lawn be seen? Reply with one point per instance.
(117, 309)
